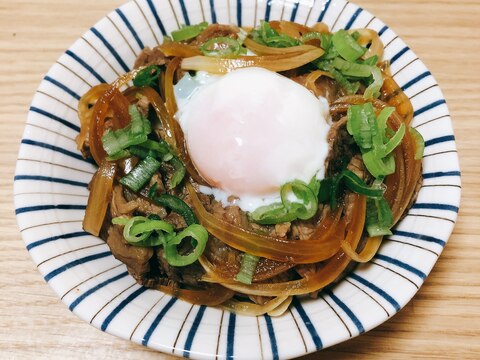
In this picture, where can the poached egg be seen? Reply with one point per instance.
(251, 131)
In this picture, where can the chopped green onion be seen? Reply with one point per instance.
(160, 146)
(141, 174)
(268, 36)
(369, 132)
(152, 191)
(177, 205)
(331, 187)
(147, 77)
(221, 47)
(247, 268)
(314, 35)
(379, 218)
(178, 173)
(139, 228)
(348, 68)
(199, 237)
(304, 207)
(304, 196)
(114, 142)
(143, 231)
(188, 32)
(378, 166)
(372, 60)
(419, 143)
(361, 124)
(373, 90)
(346, 46)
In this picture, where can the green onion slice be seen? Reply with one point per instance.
(177, 205)
(188, 32)
(141, 174)
(299, 201)
(348, 68)
(147, 77)
(247, 268)
(199, 236)
(419, 143)
(346, 46)
(221, 47)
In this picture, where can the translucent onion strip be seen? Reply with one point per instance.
(101, 189)
(267, 50)
(371, 247)
(322, 277)
(251, 309)
(212, 296)
(177, 49)
(271, 62)
(300, 252)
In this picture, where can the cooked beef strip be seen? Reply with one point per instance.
(149, 57)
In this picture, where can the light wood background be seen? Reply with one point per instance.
(442, 321)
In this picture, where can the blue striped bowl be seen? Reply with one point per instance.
(51, 192)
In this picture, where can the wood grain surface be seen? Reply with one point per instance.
(441, 322)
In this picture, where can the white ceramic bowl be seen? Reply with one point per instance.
(51, 193)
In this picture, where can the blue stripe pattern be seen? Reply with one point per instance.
(231, 336)
(130, 27)
(376, 289)
(419, 237)
(352, 19)
(50, 179)
(62, 86)
(382, 30)
(267, 10)
(212, 11)
(27, 209)
(271, 335)
(239, 13)
(439, 140)
(399, 54)
(57, 149)
(55, 117)
(193, 331)
(429, 107)
(55, 238)
(157, 320)
(347, 311)
(184, 12)
(294, 11)
(85, 65)
(402, 265)
(121, 306)
(89, 292)
(308, 323)
(324, 10)
(416, 80)
(434, 206)
(109, 46)
(157, 18)
(74, 263)
(440, 174)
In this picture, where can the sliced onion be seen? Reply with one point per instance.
(177, 49)
(368, 252)
(251, 309)
(272, 62)
(323, 245)
(101, 189)
(85, 111)
(393, 95)
(260, 49)
(322, 277)
(212, 296)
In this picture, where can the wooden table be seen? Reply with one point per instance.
(442, 321)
